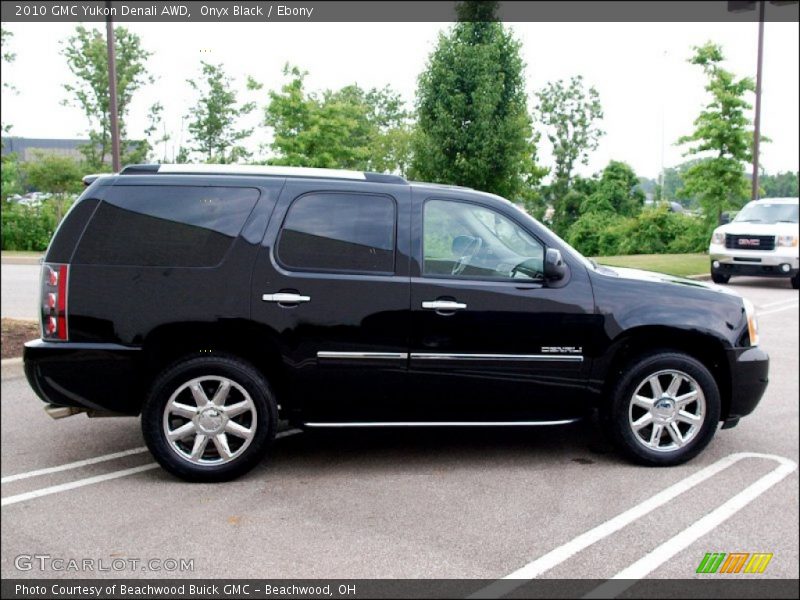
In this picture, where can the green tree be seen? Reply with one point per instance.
(214, 117)
(8, 57)
(11, 176)
(780, 185)
(473, 123)
(616, 191)
(569, 113)
(348, 128)
(58, 175)
(722, 135)
(86, 55)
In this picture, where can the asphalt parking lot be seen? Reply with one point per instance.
(548, 502)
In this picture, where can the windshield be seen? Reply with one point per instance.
(763, 212)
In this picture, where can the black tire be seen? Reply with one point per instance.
(720, 278)
(796, 280)
(621, 411)
(210, 371)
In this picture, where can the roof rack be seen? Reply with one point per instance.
(265, 170)
(442, 185)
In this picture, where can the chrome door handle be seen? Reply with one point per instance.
(444, 305)
(284, 298)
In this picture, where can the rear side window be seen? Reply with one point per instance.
(166, 226)
(339, 232)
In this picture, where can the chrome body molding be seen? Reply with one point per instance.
(507, 357)
(442, 423)
(367, 355)
(447, 356)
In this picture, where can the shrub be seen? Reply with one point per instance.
(27, 227)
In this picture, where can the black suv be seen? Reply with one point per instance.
(216, 300)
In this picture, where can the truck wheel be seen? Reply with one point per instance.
(796, 280)
(719, 278)
(664, 409)
(209, 418)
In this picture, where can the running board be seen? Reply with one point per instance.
(443, 423)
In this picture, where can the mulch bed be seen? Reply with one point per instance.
(14, 334)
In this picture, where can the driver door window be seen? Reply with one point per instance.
(473, 242)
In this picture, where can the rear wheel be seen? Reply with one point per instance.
(664, 409)
(209, 418)
(720, 278)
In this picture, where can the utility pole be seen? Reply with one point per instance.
(112, 89)
(757, 124)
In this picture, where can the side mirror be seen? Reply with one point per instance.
(724, 218)
(554, 267)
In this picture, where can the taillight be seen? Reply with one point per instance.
(54, 301)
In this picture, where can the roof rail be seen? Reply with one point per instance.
(442, 185)
(273, 170)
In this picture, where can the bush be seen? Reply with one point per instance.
(27, 227)
(652, 231)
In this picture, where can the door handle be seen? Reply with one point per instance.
(285, 298)
(444, 305)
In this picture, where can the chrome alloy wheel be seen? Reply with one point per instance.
(209, 409)
(666, 411)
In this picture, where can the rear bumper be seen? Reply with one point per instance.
(749, 379)
(99, 377)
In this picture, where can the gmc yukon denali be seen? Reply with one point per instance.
(216, 300)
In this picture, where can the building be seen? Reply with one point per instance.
(25, 148)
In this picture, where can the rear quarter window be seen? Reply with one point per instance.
(165, 226)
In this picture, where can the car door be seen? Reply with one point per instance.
(491, 340)
(331, 286)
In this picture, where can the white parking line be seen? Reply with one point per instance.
(564, 552)
(649, 563)
(782, 308)
(777, 302)
(55, 489)
(74, 465)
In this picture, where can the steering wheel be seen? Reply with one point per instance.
(469, 252)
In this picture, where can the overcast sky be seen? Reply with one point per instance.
(650, 94)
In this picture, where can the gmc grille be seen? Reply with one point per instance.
(750, 242)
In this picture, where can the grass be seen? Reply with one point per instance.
(673, 264)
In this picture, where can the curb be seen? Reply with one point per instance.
(701, 277)
(12, 368)
(21, 260)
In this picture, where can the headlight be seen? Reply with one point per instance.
(752, 322)
(786, 240)
(718, 237)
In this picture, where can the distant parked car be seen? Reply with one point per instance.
(762, 240)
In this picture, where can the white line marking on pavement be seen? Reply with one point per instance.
(54, 489)
(769, 312)
(564, 552)
(649, 563)
(97, 478)
(776, 303)
(73, 465)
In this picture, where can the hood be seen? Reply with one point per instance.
(748, 228)
(654, 277)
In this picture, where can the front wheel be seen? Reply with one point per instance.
(209, 418)
(720, 278)
(664, 409)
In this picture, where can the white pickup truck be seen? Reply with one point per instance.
(761, 241)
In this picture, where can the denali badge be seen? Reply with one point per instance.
(749, 242)
(562, 350)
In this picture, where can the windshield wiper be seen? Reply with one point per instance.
(785, 221)
(748, 220)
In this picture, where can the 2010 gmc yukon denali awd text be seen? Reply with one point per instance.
(216, 300)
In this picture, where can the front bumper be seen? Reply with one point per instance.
(749, 369)
(95, 377)
(761, 263)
